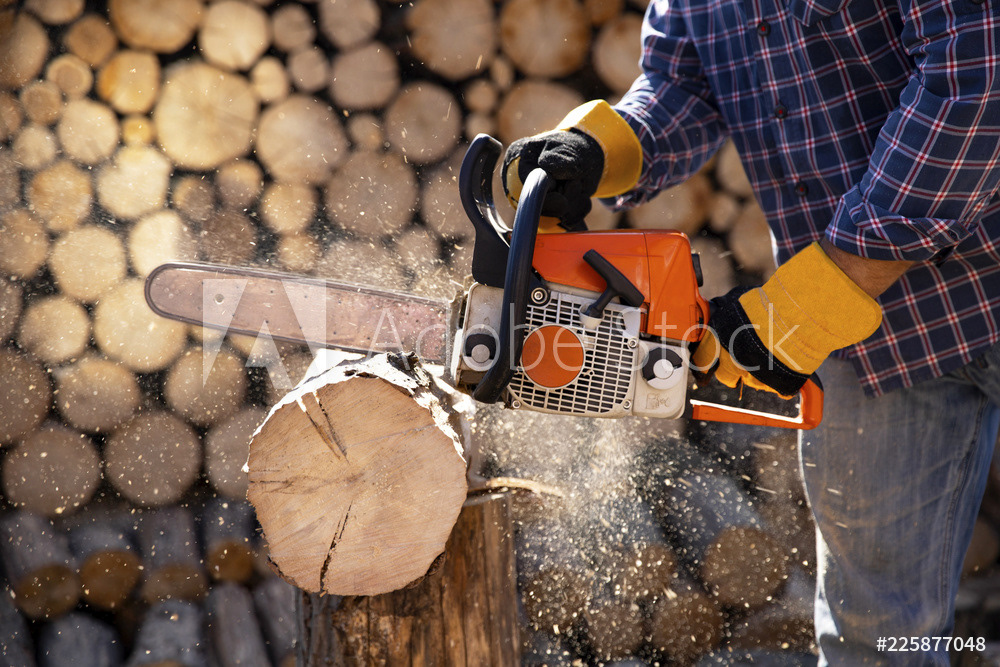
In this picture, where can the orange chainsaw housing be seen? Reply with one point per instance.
(658, 263)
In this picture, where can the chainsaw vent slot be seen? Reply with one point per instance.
(607, 374)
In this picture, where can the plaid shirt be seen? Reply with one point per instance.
(876, 122)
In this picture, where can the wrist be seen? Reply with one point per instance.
(622, 150)
(809, 308)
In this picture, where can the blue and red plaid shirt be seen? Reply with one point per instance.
(876, 123)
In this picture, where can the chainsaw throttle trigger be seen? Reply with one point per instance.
(617, 286)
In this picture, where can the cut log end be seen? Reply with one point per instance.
(351, 501)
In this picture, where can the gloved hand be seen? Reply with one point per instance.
(592, 152)
(774, 337)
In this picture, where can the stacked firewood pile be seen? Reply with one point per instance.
(324, 137)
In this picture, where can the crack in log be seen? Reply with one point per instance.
(333, 432)
(329, 439)
(338, 532)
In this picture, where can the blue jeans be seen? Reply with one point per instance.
(895, 484)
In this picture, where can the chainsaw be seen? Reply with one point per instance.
(594, 324)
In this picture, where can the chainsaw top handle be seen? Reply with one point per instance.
(518, 280)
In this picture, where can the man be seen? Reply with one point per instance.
(870, 130)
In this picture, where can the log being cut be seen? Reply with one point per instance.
(358, 476)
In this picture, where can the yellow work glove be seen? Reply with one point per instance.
(775, 336)
(593, 152)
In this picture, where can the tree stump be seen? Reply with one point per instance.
(464, 613)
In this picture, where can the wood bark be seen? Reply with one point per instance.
(319, 452)
(171, 559)
(153, 459)
(53, 472)
(126, 330)
(25, 394)
(462, 613)
(38, 565)
(423, 123)
(79, 639)
(233, 630)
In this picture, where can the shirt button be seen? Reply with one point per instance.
(801, 189)
(763, 28)
(780, 111)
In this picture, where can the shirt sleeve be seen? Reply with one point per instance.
(934, 164)
(669, 106)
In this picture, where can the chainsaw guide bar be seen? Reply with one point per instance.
(297, 309)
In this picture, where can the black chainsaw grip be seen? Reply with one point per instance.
(516, 287)
(475, 187)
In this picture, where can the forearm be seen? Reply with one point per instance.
(873, 276)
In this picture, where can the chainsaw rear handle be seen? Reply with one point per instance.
(810, 411)
(517, 284)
